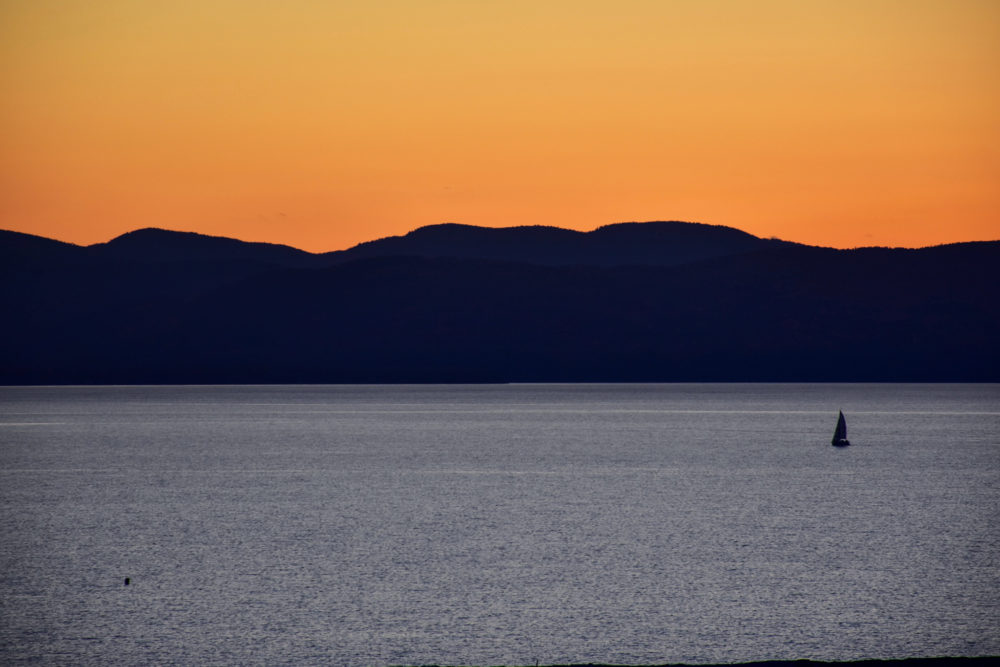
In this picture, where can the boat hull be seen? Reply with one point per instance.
(841, 443)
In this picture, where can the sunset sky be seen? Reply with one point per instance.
(324, 123)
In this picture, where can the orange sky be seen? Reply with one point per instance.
(324, 123)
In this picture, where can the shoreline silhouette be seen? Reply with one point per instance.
(635, 302)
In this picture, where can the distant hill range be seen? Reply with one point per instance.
(656, 301)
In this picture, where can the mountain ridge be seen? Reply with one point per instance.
(637, 242)
(154, 244)
(724, 308)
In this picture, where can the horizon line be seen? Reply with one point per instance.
(469, 225)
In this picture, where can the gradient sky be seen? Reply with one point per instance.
(321, 124)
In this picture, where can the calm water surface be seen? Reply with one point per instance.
(376, 525)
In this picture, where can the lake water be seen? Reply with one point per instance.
(509, 524)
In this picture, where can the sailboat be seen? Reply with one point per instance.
(840, 435)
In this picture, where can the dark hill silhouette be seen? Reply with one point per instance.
(656, 243)
(746, 310)
(19, 250)
(160, 245)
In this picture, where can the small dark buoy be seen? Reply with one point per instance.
(127, 580)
